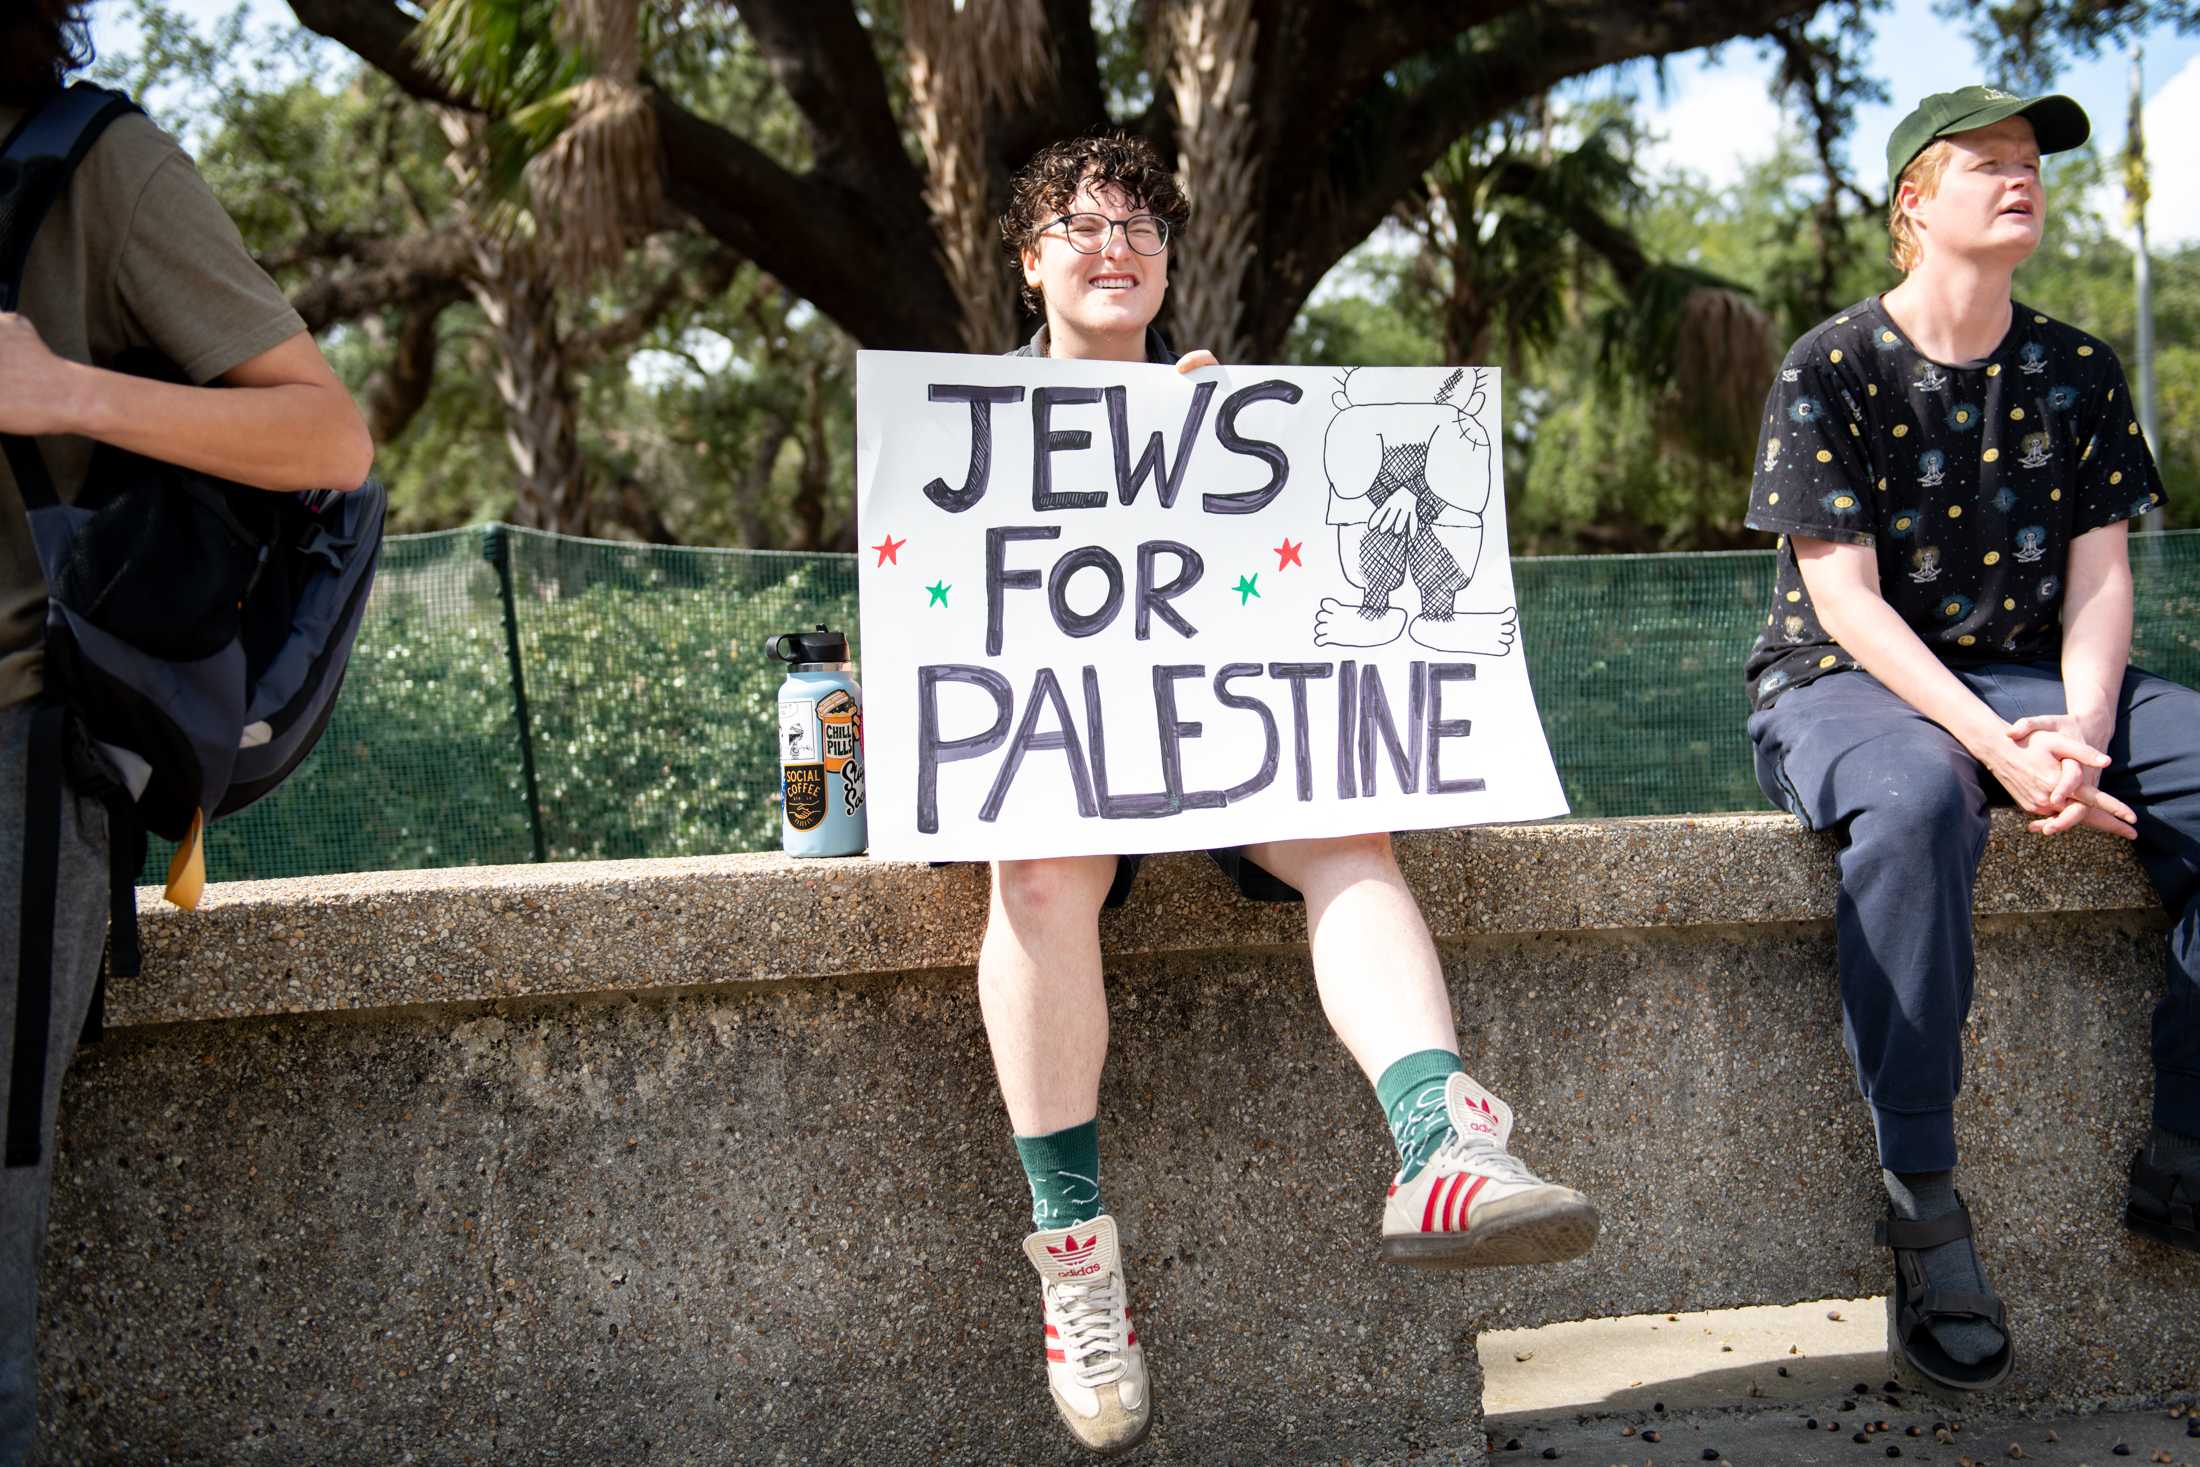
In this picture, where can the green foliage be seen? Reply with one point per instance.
(649, 702)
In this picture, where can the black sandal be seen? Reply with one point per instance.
(2164, 1205)
(1914, 1304)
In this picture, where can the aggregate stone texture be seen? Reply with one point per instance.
(389, 939)
(271, 1244)
(780, 1222)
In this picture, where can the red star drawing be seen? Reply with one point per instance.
(1288, 553)
(887, 548)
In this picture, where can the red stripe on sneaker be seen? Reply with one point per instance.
(1428, 1213)
(1133, 1339)
(1451, 1199)
(1053, 1333)
(1058, 1357)
(1468, 1201)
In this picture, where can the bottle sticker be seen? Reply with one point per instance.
(797, 730)
(837, 716)
(802, 789)
(851, 786)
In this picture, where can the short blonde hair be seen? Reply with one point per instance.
(1924, 173)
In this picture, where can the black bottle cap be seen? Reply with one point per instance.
(822, 645)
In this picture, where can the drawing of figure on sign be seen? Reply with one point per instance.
(1408, 484)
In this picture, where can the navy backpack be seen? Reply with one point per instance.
(196, 634)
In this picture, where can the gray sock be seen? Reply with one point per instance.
(1921, 1197)
(2172, 1152)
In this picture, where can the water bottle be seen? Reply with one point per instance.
(820, 746)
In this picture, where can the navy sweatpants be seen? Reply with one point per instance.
(1907, 806)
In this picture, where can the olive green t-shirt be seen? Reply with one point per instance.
(137, 253)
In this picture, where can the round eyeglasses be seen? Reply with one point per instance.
(1088, 234)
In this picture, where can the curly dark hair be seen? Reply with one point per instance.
(41, 42)
(1043, 188)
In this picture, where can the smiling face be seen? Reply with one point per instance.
(1097, 305)
(1989, 206)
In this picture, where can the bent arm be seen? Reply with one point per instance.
(283, 422)
(1843, 581)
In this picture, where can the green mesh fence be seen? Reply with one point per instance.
(517, 696)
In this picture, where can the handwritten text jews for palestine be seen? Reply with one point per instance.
(1371, 722)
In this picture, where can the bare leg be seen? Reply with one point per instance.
(1039, 987)
(1374, 963)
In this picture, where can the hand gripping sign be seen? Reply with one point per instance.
(1111, 608)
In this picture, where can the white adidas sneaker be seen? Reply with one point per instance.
(1094, 1366)
(1474, 1204)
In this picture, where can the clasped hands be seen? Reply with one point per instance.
(2053, 771)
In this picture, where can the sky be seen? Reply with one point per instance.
(1717, 113)
(1714, 113)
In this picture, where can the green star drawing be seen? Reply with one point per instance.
(1247, 588)
(939, 590)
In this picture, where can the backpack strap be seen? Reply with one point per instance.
(34, 171)
(125, 957)
(40, 892)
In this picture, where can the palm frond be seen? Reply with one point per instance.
(501, 54)
(599, 182)
(1712, 346)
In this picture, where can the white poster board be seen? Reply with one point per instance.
(1111, 608)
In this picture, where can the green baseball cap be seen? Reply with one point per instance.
(2059, 123)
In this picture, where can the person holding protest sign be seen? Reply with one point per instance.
(1952, 475)
(1089, 227)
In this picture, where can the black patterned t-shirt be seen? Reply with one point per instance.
(1971, 481)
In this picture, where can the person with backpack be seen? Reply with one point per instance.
(1952, 475)
(135, 256)
(1088, 228)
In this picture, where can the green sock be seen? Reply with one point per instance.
(1063, 1168)
(1411, 1092)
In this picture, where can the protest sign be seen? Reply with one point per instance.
(1112, 608)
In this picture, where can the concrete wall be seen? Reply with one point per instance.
(701, 1161)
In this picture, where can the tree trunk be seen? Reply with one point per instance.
(1211, 77)
(535, 385)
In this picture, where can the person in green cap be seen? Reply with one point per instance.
(1951, 474)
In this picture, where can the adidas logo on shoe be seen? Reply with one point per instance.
(1078, 1260)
